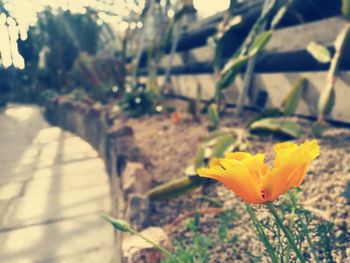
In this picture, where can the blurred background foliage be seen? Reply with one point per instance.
(87, 48)
(54, 47)
(57, 52)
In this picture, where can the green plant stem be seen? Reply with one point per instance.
(307, 233)
(286, 231)
(261, 234)
(287, 253)
(211, 200)
(160, 248)
(309, 241)
(293, 200)
(123, 226)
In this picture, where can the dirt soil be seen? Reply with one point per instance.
(171, 148)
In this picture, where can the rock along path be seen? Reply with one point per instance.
(53, 188)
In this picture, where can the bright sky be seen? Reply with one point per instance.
(25, 13)
(210, 7)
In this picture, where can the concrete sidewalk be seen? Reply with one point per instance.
(53, 187)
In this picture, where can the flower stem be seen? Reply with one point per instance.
(261, 234)
(311, 245)
(160, 248)
(287, 232)
(307, 233)
(293, 200)
(123, 226)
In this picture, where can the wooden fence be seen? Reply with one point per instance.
(283, 63)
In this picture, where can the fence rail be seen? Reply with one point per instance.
(300, 12)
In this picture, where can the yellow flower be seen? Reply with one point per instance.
(253, 181)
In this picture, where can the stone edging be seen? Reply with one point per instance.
(115, 145)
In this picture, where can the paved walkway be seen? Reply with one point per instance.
(52, 190)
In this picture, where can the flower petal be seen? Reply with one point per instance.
(282, 150)
(237, 177)
(290, 169)
(215, 172)
(310, 150)
(256, 166)
(239, 156)
(297, 177)
(214, 161)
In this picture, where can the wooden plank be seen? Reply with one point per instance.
(286, 51)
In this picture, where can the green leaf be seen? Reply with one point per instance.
(326, 101)
(277, 126)
(214, 116)
(224, 144)
(266, 113)
(175, 188)
(232, 68)
(319, 52)
(346, 9)
(212, 137)
(279, 15)
(291, 102)
(200, 158)
(260, 42)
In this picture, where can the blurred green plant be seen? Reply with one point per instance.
(138, 100)
(173, 31)
(123, 226)
(319, 52)
(327, 98)
(50, 51)
(215, 145)
(277, 121)
(65, 35)
(194, 104)
(342, 44)
(217, 41)
(78, 94)
(308, 239)
(303, 229)
(48, 95)
(196, 250)
(290, 103)
(102, 78)
(214, 117)
(282, 127)
(254, 43)
(346, 9)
